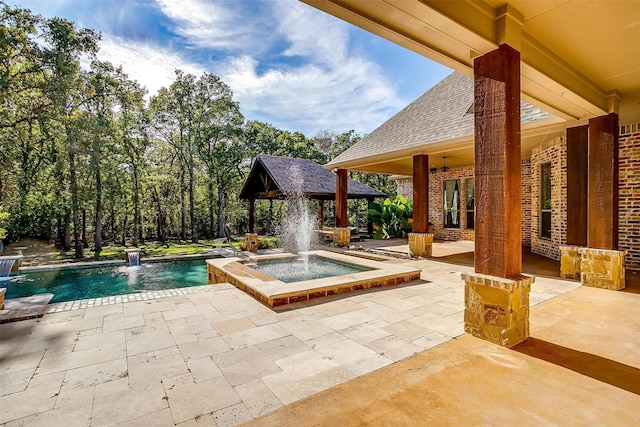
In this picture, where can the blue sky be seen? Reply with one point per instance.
(287, 63)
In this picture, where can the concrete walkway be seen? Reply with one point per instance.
(218, 357)
(581, 367)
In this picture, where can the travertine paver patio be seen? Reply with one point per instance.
(217, 356)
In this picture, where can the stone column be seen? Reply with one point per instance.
(497, 294)
(420, 240)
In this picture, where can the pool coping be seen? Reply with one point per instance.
(275, 293)
(36, 311)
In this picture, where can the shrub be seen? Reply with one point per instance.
(391, 218)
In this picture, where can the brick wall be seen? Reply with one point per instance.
(436, 202)
(405, 187)
(629, 204)
(526, 202)
(554, 152)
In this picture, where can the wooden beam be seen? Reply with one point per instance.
(369, 222)
(341, 198)
(421, 193)
(252, 216)
(320, 213)
(498, 239)
(602, 228)
(577, 179)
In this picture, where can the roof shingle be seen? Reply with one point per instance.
(440, 114)
(275, 177)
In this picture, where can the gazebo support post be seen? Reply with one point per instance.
(320, 213)
(420, 240)
(341, 234)
(497, 294)
(252, 215)
(251, 238)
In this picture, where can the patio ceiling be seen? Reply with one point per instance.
(580, 59)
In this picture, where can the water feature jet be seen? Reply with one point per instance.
(299, 227)
(133, 256)
(6, 265)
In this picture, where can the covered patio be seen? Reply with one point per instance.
(586, 81)
(283, 178)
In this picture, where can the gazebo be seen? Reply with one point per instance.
(274, 177)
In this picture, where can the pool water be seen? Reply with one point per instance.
(96, 282)
(291, 270)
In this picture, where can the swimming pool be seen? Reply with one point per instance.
(95, 282)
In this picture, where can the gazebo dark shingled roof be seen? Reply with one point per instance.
(273, 177)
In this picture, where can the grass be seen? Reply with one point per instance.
(38, 253)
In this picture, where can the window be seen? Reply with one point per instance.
(470, 183)
(545, 200)
(451, 203)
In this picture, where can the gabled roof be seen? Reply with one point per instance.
(273, 177)
(442, 113)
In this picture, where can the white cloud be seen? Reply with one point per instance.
(331, 88)
(310, 98)
(312, 34)
(291, 66)
(151, 66)
(209, 24)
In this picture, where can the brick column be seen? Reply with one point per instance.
(420, 240)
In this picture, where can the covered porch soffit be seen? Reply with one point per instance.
(578, 59)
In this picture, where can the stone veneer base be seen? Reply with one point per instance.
(570, 260)
(497, 309)
(602, 268)
(342, 236)
(420, 244)
(251, 242)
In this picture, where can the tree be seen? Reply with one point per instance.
(132, 135)
(65, 87)
(198, 118)
(174, 120)
(217, 140)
